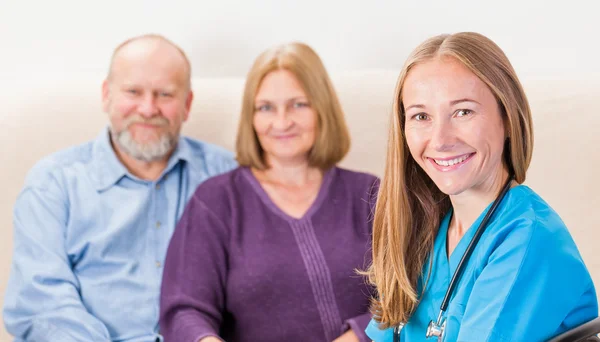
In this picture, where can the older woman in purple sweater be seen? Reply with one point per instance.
(268, 252)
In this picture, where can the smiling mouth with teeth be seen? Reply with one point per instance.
(452, 162)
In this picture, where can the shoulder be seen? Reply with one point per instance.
(525, 210)
(216, 159)
(51, 169)
(208, 149)
(360, 182)
(529, 227)
(220, 190)
(361, 187)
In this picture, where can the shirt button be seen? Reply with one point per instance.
(157, 224)
(157, 186)
(158, 264)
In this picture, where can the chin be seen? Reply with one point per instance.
(450, 188)
(288, 153)
(148, 140)
(289, 157)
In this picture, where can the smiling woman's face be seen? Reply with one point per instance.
(453, 127)
(284, 120)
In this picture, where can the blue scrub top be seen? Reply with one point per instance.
(524, 281)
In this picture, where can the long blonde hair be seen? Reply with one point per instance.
(410, 207)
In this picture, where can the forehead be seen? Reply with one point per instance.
(279, 84)
(152, 64)
(442, 79)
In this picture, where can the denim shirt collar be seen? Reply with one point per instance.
(106, 169)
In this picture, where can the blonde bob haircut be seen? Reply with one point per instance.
(332, 140)
(410, 207)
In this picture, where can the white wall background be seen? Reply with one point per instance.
(42, 40)
(45, 41)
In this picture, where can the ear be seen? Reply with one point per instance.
(188, 104)
(105, 95)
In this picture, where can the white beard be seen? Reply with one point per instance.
(147, 152)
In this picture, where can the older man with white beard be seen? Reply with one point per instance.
(93, 222)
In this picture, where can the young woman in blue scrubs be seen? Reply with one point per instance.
(461, 130)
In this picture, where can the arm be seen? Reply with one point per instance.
(378, 335)
(194, 278)
(355, 329)
(531, 283)
(210, 339)
(348, 336)
(42, 299)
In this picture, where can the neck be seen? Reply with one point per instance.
(468, 205)
(142, 169)
(297, 173)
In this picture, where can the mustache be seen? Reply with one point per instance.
(155, 121)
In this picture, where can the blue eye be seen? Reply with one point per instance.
(164, 94)
(132, 91)
(300, 104)
(264, 108)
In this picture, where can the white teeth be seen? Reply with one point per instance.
(451, 161)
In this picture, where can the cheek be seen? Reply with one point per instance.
(308, 122)
(122, 107)
(490, 137)
(174, 111)
(498, 146)
(415, 141)
(260, 124)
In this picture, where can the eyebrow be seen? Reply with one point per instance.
(455, 102)
(170, 88)
(296, 98)
(414, 106)
(452, 103)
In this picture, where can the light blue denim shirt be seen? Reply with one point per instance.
(90, 240)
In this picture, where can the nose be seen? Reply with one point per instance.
(282, 120)
(147, 106)
(443, 136)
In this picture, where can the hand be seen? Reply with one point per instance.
(210, 339)
(348, 336)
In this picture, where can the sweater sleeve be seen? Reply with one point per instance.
(194, 278)
(358, 325)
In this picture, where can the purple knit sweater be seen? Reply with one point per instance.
(241, 269)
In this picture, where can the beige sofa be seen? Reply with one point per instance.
(39, 118)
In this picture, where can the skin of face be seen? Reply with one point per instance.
(284, 121)
(147, 99)
(453, 127)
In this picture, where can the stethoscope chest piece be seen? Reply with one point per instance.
(397, 330)
(435, 329)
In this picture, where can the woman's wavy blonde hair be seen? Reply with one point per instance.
(410, 207)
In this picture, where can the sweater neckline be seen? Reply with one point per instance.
(328, 176)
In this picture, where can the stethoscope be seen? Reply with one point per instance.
(437, 328)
